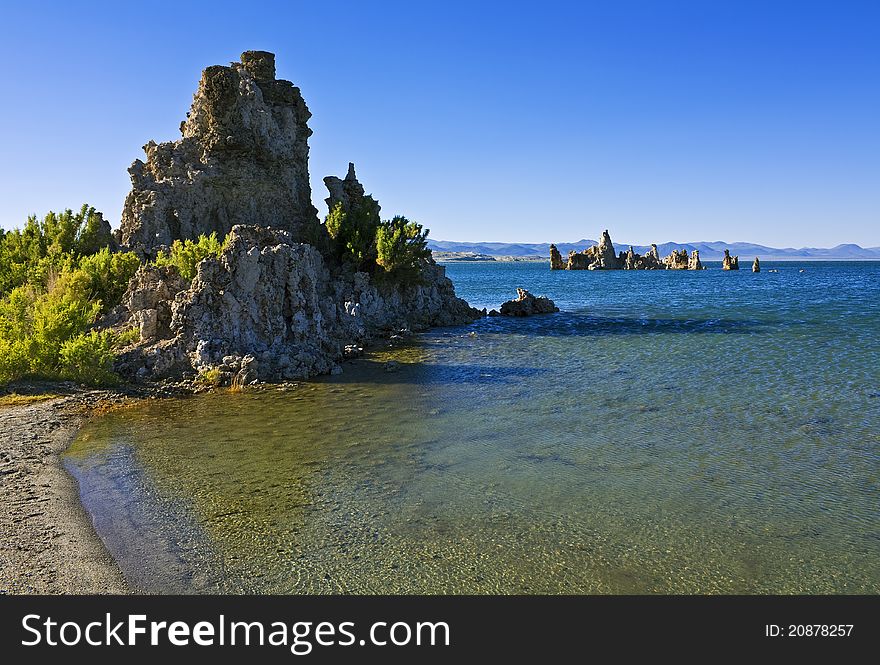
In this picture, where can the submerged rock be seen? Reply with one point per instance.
(729, 262)
(527, 305)
(243, 159)
(756, 266)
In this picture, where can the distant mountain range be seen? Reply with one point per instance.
(708, 250)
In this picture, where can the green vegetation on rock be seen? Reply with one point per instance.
(355, 232)
(392, 248)
(401, 247)
(185, 255)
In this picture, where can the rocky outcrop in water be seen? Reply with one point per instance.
(605, 256)
(556, 262)
(729, 262)
(677, 260)
(601, 257)
(528, 305)
(597, 257)
(272, 306)
(275, 305)
(243, 159)
(756, 266)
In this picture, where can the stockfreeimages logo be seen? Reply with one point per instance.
(301, 637)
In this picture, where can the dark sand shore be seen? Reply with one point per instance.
(47, 542)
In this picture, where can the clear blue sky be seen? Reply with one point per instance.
(539, 121)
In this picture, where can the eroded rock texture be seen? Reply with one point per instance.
(243, 159)
(729, 262)
(269, 309)
(677, 260)
(597, 257)
(527, 305)
(601, 257)
(348, 191)
(756, 266)
(556, 262)
(149, 298)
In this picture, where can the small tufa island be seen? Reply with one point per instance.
(603, 257)
(526, 304)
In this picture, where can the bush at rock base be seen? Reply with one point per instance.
(59, 275)
(185, 255)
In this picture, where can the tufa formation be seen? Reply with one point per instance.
(243, 159)
(275, 304)
(729, 262)
(526, 305)
(602, 257)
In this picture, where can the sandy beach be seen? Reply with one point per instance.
(47, 542)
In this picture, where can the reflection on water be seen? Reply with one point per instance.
(690, 433)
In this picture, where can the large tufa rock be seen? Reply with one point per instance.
(243, 159)
(270, 307)
(756, 266)
(556, 262)
(265, 297)
(526, 305)
(694, 262)
(729, 262)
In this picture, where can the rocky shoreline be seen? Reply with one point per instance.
(48, 544)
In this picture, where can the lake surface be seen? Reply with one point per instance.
(666, 432)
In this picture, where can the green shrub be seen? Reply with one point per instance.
(393, 249)
(126, 337)
(51, 244)
(354, 232)
(186, 255)
(37, 330)
(45, 328)
(88, 358)
(401, 247)
(211, 377)
(109, 274)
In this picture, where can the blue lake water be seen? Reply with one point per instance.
(666, 432)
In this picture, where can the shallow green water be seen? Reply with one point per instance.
(691, 433)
